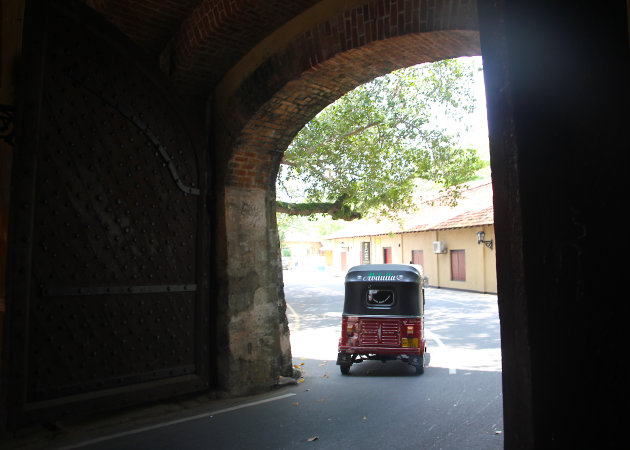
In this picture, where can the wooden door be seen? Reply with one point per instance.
(108, 297)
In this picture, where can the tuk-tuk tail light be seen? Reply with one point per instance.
(409, 342)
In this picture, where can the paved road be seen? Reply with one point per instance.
(462, 328)
(456, 404)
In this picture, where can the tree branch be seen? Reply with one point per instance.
(359, 130)
(312, 150)
(337, 210)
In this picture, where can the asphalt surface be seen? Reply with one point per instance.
(455, 404)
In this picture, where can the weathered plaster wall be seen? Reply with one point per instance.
(258, 348)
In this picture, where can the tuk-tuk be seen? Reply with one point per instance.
(383, 316)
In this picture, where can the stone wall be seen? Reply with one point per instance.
(257, 349)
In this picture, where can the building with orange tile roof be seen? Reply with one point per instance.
(442, 238)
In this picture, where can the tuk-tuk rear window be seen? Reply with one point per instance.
(380, 297)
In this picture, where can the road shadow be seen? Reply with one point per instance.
(383, 369)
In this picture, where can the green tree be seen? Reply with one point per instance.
(364, 153)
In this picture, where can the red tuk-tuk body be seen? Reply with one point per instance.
(383, 316)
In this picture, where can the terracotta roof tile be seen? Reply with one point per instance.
(469, 219)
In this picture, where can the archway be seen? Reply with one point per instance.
(543, 106)
(253, 128)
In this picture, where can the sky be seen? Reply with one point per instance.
(477, 135)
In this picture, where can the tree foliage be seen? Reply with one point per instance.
(364, 153)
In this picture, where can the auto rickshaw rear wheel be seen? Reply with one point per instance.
(420, 366)
(345, 369)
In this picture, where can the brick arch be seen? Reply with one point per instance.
(222, 29)
(348, 49)
(269, 131)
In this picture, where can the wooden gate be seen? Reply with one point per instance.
(107, 295)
